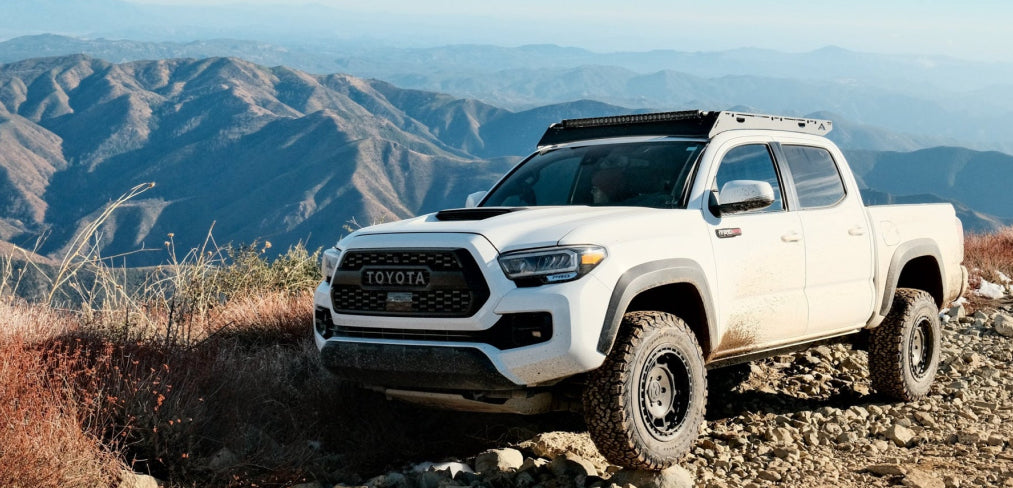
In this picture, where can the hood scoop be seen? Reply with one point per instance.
(460, 214)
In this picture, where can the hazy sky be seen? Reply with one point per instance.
(977, 29)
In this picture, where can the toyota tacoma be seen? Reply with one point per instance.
(612, 268)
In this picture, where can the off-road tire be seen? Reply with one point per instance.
(645, 404)
(904, 349)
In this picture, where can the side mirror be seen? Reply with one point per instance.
(739, 196)
(473, 199)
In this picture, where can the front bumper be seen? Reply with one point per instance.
(413, 366)
(411, 363)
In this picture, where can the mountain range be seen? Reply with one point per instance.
(266, 153)
(282, 155)
(926, 100)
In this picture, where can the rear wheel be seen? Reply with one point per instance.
(904, 349)
(645, 404)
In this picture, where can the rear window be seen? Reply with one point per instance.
(817, 179)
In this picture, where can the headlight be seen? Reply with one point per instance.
(555, 265)
(329, 262)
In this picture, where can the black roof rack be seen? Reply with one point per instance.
(687, 123)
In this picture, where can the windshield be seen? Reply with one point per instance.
(641, 174)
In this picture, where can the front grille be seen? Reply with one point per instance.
(455, 287)
(352, 299)
(434, 260)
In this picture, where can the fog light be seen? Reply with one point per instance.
(322, 322)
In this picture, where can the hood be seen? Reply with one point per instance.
(515, 228)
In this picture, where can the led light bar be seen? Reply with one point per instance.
(687, 123)
(634, 119)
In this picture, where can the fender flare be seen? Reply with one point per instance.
(904, 254)
(646, 276)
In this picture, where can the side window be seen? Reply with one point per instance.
(815, 174)
(751, 162)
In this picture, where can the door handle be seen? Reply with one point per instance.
(857, 231)
(791, 237)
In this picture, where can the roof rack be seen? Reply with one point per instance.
(687, 123)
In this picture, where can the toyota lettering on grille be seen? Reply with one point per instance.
(400, 277)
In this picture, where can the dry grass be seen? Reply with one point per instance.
(81, 399)
(205, 354)
(43, 443)
(987, 255)
(984, 254)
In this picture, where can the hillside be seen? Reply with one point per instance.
(980, 180)
(219, 137)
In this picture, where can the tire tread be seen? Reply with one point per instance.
(610, 423)
(886, 346)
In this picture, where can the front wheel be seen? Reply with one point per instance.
(904, 349)
(645, 404)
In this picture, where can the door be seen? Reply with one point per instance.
(760, 261)
(838, 250)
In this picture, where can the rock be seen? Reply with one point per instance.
(768, 475)
(389, 480)
(674, 477)
(130, 479)
(925, 419)
(970, 437)
(781, 435)
(452, 467)
(524, 479)
(786, 452)
(994, 291)
(533, 463)
(917, 478)
(1003, 324)
(498, 460)
(951, 481)
(958, 385)
(223, 459)
(551, 445)
(432, 479)
(900, 435)
(957, 312)
(571, 465)
(972, 359)
(467, 478)
(887, 469)
(969, 415)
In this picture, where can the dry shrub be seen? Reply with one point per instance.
(264, 319)
(44, 440)
(987, 255)
(984, 254)
(210, 351)
(21, 321)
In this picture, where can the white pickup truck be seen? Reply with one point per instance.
(625, 258)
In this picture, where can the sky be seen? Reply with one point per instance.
(977, 30)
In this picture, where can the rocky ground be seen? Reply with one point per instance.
(807, 419)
